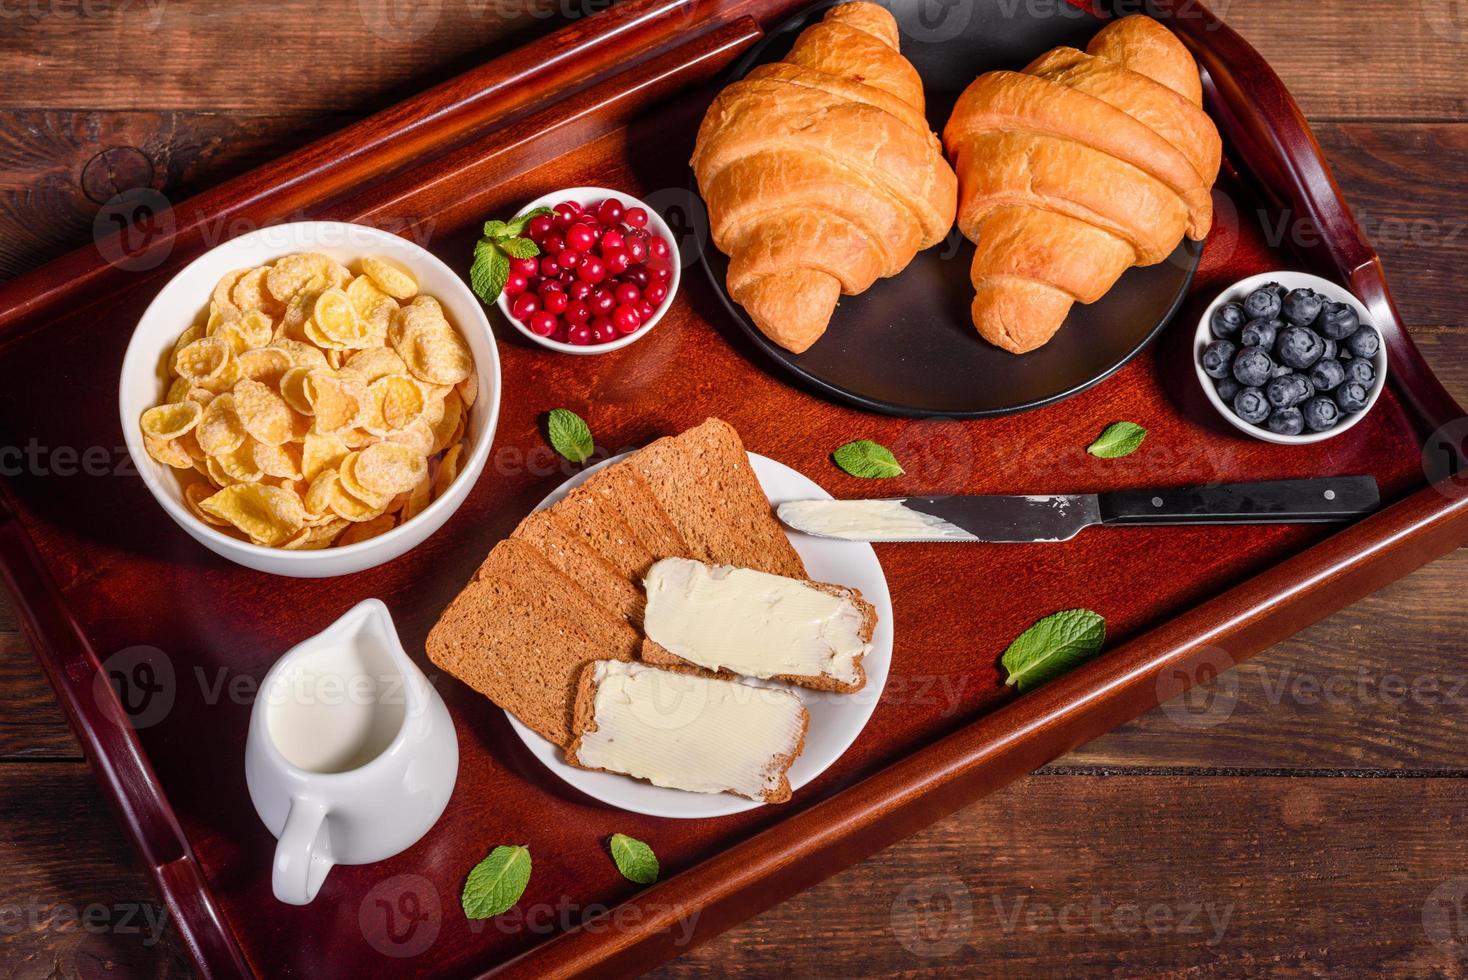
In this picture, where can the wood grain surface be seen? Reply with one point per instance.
(1328, 767)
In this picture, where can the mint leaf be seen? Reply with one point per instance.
(570, 435)
(1118, 440)
(497, 882)
(488, 273)
(519, 248)
(867, 460)
(515, 227)
(634, 859)
(1053, 646)
(496, 229)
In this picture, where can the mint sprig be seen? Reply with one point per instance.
(1053, 646)
(868, 460)
(570, 435)
(634, 859)
(1117, 440)
(497, 882)
(502, 241)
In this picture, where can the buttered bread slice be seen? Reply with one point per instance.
(757, 624)
(684, 729)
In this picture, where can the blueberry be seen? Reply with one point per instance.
(1264, 303)
(1327, 374)
(1337, 320)
(1361, 372)
(1286, 422)
(1260, 333)
(1227, 321)
(1299, 347)
(1321, 413)
(1302, 306)
(1288, 391)
(1218, 358)
(1280, 370)
(1251, 406)
(1364, 342)
(1228, 389)
(1352, 396)
(1253, 366)
(1332, 348)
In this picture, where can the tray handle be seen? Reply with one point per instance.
(1268, 137)
(111, 746)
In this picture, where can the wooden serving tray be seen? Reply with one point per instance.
(110, 589)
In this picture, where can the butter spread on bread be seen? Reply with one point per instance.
(687, 730)
(756, 624)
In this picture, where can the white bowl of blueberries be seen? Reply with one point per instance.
(1289, 358)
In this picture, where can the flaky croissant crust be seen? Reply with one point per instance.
(821, 175)
(1076, 169)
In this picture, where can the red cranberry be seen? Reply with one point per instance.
(646, 310)
(539, 227)
(626, 319)
(611, 239)
(577, 312)
(592, 269)
(637, 275)
(554, 243)
(655, 293)
(549, 267)
(550, 286)
(610, 212)
(636, 250)
(515, 284)
(570, 258)
(578, 334)
(566, 213)
(525, 304)
(627, 293)
(543, 324)
(604, 334)
(659, 249)
(602, 301)
(580, 237)
(616, 261)
(659, 273)
(525, 267)
(555, 302)
(560, 334)
(636, 217)
(566, 277)
(579, 289)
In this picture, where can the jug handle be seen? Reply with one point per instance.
(303, 853)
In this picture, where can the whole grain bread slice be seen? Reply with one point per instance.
(596, 520)
(573, 557)
(625, 490)
(652, 653)
(703, 481)
(520, 633)
(584, 720)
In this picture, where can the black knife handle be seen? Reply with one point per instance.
(1340, 498)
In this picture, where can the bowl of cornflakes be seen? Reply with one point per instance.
(313, 398)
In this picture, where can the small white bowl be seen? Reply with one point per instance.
(655, 223)
(142, 384)
(1289, 280)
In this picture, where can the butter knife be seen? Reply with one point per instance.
(1030, 519)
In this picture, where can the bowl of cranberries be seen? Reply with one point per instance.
(1289, 358)
(607, 271)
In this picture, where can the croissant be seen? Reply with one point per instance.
(820, 173)
(1076, 169)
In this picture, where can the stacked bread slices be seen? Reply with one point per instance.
(552, 619)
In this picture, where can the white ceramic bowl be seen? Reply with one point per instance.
(1290, 280)
(655, 223)
(143, 384)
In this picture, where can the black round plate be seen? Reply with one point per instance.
(907, 346)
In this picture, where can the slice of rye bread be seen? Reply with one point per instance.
(703, 480)
(520, 634)
(652, 653)
(584, 720)
(574, 558)
(597, 521)
(623, 488)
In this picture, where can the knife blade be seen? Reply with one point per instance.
(1054, 518)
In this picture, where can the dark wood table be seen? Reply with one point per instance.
(1326, 772)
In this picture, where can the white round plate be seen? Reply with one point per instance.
(835, 719)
